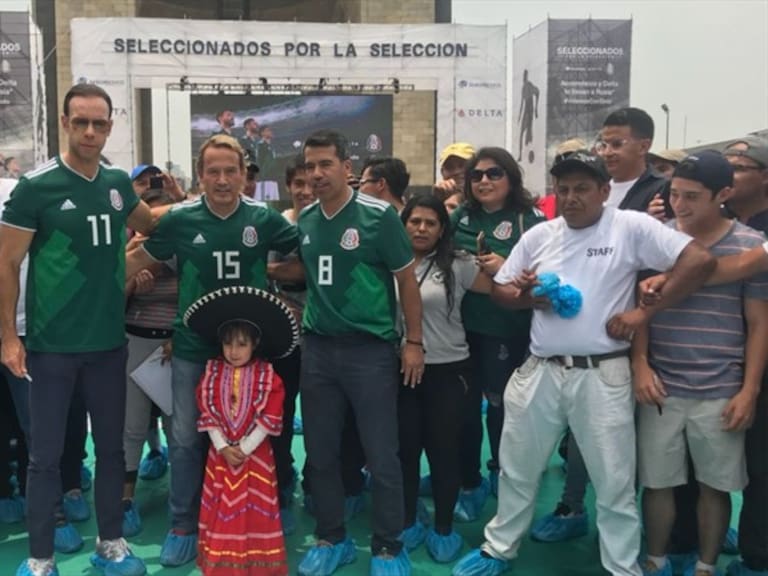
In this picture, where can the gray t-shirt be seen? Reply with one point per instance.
(442, 330)
(697, 346)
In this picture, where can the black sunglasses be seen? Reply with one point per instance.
(493, 173)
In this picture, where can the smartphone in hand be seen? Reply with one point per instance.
(482, 244)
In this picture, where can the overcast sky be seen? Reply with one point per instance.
(706, 59)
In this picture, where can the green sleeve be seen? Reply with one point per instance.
(286, 235)
(160, 245)
(129, 196)
(21, 209)
(393, 243)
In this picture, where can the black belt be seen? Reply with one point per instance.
(585, 362)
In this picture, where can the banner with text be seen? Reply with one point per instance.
(464, 65)
(589, 71)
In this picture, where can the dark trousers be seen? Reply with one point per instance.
(431, 418)
(753, 523)
(100, 378)
(359, 371)
(74, 443)
(10, 430)
(289, 370)
(352, 460)
(493, 361)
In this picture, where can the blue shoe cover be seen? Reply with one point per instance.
(66, 539)
(298, 426)
(75, 507)
(86, 478)
(691, 571)
(413, 536)
(385, 565)
(324, 559)
(353, 505)
(131, 519)
(11, 510)
(24, 569)
(471, 502)
(476, 564)
(425, 486)
(555, 528)
(649, 568)
(444, 548)
(737, 568)
(681, 562)
(178, 549)
(126, 565)
(288, 521)
(731, 542)
(154, 466)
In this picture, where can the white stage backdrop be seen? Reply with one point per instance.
(464, 65)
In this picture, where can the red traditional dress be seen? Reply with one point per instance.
(240, 531)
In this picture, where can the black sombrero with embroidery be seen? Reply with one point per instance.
(278, 327)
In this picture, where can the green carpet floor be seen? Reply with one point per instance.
(576, 558)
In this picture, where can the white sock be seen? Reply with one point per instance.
(658, 561)
(708, 568)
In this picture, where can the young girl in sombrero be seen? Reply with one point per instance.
(240, 398)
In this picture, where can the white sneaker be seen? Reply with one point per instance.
(40, 567)
(113, 550)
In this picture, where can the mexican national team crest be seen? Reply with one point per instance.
(351, 239)
(503, 231)
(115, 199)
(250, 237)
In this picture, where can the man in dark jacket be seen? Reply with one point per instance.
(624, 143)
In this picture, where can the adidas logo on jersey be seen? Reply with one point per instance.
(67, 205)
(198, 239)
(464, 221)
(305, 241)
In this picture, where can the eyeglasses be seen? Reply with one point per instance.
(741, 168)
(616, 144)
(494, 173)
(367, 180)
(81, 124)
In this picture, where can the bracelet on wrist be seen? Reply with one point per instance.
(414, 342)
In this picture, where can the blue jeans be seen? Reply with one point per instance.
(186, 446)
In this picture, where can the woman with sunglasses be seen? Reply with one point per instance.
(497, 211)
(431, 414)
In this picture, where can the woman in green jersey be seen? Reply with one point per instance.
(497, 211)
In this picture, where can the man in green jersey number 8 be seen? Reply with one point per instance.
(354, 248)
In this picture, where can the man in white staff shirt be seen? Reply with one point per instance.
(578, 373)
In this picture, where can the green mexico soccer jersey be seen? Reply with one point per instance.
(349, 260)
(213, 252)
(75, 300)
(502, 231)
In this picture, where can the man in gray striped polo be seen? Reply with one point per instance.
(697, 372)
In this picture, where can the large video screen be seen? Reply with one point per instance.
(277, 126)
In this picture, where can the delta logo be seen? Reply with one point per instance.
(480, 113)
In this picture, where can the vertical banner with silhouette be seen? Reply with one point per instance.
(568, 76)
(16, 98)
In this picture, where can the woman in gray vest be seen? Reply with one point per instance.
(431, 415)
